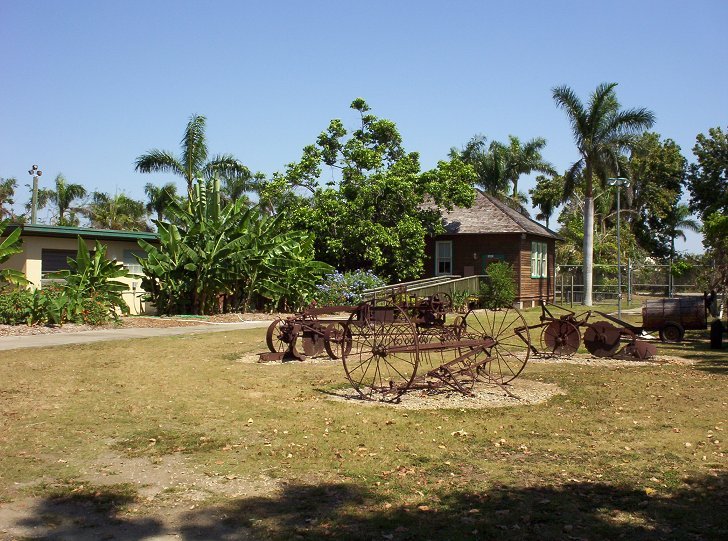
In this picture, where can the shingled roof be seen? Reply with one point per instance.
(489, 215)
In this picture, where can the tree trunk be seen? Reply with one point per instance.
(588, 242)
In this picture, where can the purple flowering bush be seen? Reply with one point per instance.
(346, 288)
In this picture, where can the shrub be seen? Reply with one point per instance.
(15, 307)
(499, 288)
(346, 288)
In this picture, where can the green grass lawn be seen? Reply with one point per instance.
(634, 452)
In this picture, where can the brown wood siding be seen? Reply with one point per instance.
(515, 249)
(536, 288)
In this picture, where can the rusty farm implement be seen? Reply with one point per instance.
(393, 351)
(561, 335)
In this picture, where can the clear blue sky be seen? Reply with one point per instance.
(86, 86)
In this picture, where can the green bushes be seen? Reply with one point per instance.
(85, 293)
(228, 258)
(499, 289)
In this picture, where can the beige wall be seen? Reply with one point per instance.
(29, 262)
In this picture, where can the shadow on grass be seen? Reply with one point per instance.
(572, 511)
(578, 510)
(83, 515)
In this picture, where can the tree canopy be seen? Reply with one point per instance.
(374, 206)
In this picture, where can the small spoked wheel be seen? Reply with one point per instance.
(384, 354)
(276, 335)
(511, 342)
(337, 340)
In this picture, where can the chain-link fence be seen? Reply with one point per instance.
(639, 281)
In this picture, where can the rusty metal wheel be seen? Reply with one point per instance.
(512, 342)
(276, 335)
(560, 338)
(384, 356)
(602, 339)
(337, 340)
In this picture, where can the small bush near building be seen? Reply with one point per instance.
(499, 289)
(346, 288)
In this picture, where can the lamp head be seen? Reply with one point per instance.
(618, 181)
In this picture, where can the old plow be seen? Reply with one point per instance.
(561, 335)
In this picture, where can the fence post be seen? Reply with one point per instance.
(629, 281)
(562, 288)
(571, 296)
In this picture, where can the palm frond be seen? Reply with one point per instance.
(567, 100)
(158, 161)
(194, 146)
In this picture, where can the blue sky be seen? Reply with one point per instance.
(88, 86)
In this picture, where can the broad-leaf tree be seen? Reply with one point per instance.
(657, 173)
(708, 186)
(708, 177)
(602, 131)
(194, 162)
(364, 197)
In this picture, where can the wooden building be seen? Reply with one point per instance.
(491, 231)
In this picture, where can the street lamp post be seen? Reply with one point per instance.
(35, 173)
(619, 182)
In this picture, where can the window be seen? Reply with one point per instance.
(55, 260)
(131, 263)
(443, 257)
(539, 260)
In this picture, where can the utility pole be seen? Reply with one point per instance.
(35, 173)
(619, 182)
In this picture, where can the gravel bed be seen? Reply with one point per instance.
(520, 392)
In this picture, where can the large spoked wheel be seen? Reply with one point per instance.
(511, 342)
(560, 338)
(338, 340)
(276, 336)
(384, 356)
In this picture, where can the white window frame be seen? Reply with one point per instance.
(439, 259)
(539, 259)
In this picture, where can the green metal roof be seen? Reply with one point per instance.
(41, 230)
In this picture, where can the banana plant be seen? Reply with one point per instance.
(10, 245)
(92, 276)
(232, 255)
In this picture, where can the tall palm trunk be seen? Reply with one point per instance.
(588, 238)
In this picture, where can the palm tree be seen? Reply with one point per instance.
(489, 163)
(63, 196)
(7, 193)
(524, 160)
(602, 131)
(677, 222)
(117, 212)
(547, 195)
(193, 163)
(159, 198)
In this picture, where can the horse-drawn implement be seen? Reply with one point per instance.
(403, 342)
(561, 335)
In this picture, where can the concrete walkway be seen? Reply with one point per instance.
(86, 337)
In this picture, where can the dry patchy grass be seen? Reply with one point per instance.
(636, 451)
